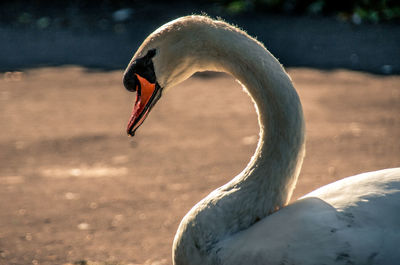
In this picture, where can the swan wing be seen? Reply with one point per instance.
(352, 221)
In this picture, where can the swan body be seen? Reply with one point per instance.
(352, 221)
(247, 221)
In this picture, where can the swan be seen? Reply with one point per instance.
(248, 220)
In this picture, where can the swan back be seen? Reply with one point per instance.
(336, 224)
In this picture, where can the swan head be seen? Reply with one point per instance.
(167, 57)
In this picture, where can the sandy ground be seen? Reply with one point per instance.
(74, 187)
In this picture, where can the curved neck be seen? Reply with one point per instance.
(267, 182)
(274, 168)
(278, 158)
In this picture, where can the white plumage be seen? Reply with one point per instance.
(352, 221)
(247, 221)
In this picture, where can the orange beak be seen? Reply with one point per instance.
(146, 97)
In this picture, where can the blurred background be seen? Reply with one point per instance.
(355, 34)
(74, 189)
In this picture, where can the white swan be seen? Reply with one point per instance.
(352, 221)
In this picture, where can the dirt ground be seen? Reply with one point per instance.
(74, 187)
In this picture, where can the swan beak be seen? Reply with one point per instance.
(146, 97)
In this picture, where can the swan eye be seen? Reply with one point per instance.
(151, 53)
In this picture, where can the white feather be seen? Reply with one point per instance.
(352, 221)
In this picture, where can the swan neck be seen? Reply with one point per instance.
(274, 168)
(267, 182)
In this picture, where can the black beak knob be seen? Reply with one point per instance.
(130, 81)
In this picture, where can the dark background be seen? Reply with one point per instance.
(359, 34)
